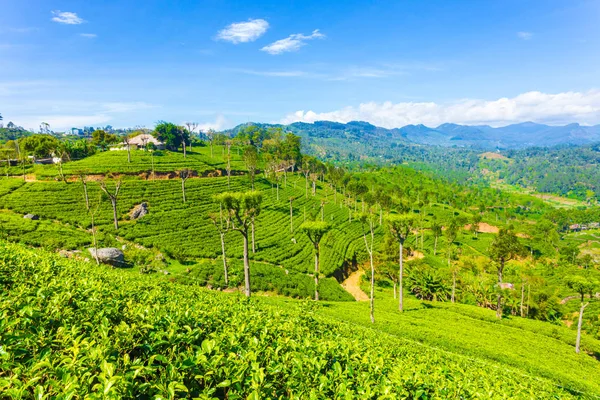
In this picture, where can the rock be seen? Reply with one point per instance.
(109, 255)
(32, 217)
(139, 211)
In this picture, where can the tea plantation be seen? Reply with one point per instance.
(70, 329)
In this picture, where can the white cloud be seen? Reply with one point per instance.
(218, 124)
(560, 108)
(66, 17)
(291, 43)
(243, 32)
(525, 35)
(88, 35)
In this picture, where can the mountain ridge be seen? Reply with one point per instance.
(485, 137)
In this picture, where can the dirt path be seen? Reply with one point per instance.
(352, 286)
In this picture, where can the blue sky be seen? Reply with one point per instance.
(126, 63)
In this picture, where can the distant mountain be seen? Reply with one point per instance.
(515, 136)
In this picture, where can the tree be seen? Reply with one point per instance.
(582, 285)
(451, 233)
(184, 174)
(102, 139)
(399, 227)
(315, 230)
(368, 227)
(505, 247)
(436, 230)
(126, 140)
(113, 199)
(40, 146)
(210, 134)
(191, 127)
(251, 161)
(475, 224)
(45, 127)
(172, 135)
(241, 209)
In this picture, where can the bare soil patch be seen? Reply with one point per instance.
(352, 286)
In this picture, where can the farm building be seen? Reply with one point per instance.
(140, 142)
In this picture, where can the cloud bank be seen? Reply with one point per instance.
(559, 108)
(291, 43)
(243, 32)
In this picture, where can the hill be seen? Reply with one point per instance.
(72, 328)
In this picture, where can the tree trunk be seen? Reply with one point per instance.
(499, 303)
(183, 145)
(222, 234)
(522, 298)
(400, 273)
(95, 241)
(277, 189)
(316, 272)
(578, 341)
(114, 207)
(453, 286)
(85, 194)
(435, 245)
(128, 153)
(372, 282)
(394, 290)
(246, 265)
(253, 243)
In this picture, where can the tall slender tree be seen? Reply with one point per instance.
(399, 227)
(184, 175)
(368, 221)
(251, 161)
(113, 197)
(241, 209)
(505, 247)
(315, 230)
(583, 285)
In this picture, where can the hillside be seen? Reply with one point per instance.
(450, 276)
(123, 336)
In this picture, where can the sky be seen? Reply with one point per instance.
(220, 63)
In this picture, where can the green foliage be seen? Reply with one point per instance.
(40, 146)
(103, 139)
(505, 247)
(172, 135)
(72, 329)
(315, 230)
